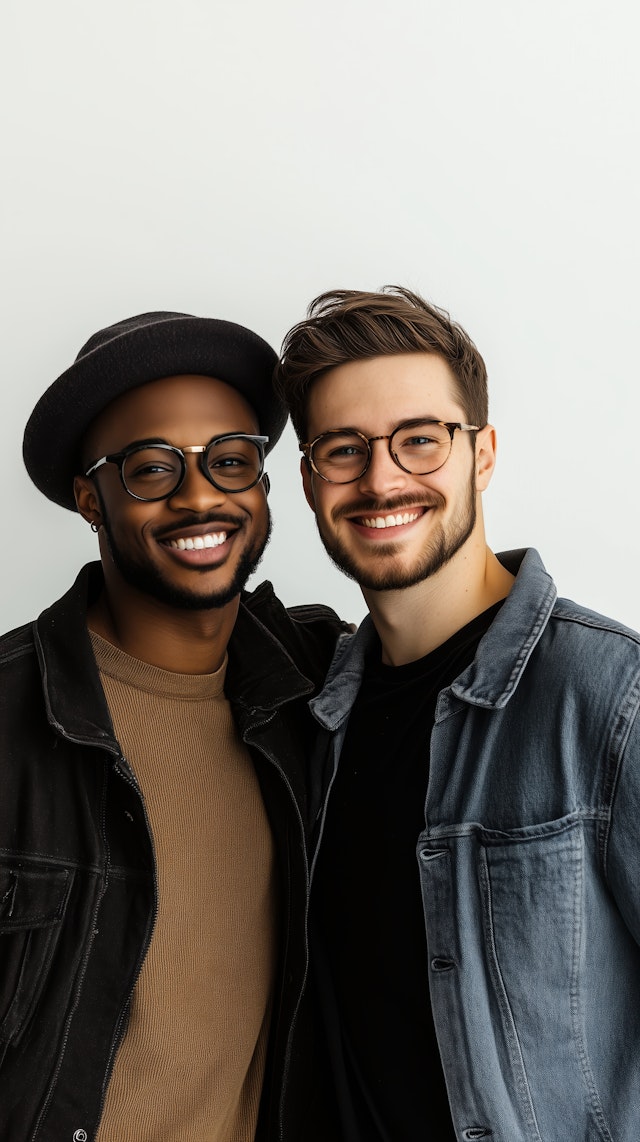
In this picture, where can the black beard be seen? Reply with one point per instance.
(147, 579)
(440, 549)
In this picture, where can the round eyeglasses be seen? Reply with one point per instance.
(417, 446)
(154, 471)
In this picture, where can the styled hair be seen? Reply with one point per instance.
(350, 325)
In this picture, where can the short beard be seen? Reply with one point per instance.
(147, 579)
(378, 574)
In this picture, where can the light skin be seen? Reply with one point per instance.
(431, 574)
(185, 622)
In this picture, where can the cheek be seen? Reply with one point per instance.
(258, 508)
(130, 522)
(307, 484)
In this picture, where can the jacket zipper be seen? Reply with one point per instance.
(287, 1058)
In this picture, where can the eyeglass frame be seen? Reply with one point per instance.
(119, 459)
(450, 425)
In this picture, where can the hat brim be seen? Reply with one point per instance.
(167, 347)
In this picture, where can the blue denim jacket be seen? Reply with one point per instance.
(529, 865)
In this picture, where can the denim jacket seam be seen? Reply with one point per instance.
(518, 1068)
(628, 712)
(522, 834)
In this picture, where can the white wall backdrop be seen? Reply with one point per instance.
(233, 158)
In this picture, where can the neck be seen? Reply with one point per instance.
(416, 620)
(184, 642)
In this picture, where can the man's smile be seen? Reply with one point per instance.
(197, 542)
(200, 544)
(389, 520)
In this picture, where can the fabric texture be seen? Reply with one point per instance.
(191, 1063)
(78, 876)
(377, 1012)
(529, 866)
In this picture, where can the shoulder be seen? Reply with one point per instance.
(592, 627)
(267, 607)
(308, 630)
(591, 655)
(16, 644)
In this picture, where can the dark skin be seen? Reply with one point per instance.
(153, 626)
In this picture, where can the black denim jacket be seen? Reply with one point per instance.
(77, 870)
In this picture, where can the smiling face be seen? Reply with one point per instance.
(196, 549)
(389, 529)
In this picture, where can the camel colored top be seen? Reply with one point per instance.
(191, 1064)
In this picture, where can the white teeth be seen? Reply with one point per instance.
(199, 541)
(391, 520)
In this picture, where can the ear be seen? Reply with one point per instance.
(305, 472)
(87, 500)
(486, 449)
(266, 483)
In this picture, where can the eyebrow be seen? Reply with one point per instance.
(409, 423)
(145, 441)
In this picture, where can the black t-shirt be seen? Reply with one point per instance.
(367, 919)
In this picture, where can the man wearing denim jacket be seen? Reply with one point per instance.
(475, 894)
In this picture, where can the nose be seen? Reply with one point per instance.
(196, 493)
(383, 476)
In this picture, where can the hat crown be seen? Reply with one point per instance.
(127, 325)
(133, 352)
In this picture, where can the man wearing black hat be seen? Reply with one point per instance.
(154, 730)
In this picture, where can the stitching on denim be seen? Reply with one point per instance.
(615, 760)
(577, 934)
(524, 834)
(508, 1021)
(595, 622)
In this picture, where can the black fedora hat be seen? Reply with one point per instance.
(131, 353)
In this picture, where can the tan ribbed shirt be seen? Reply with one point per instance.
(191, 1064)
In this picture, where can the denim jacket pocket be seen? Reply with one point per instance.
(532, 883)
(32, 902)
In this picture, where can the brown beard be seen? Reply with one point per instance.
(378, 572)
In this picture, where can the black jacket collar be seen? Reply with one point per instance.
(271, 660)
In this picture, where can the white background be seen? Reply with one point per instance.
(233, 159)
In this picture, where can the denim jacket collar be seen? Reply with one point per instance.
(502, 654)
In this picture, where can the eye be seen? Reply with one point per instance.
(421, 437)
(150, 468)
(344, 450)
(153, 467)
(230, 461)
(418, 441)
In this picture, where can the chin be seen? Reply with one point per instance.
(148, 579)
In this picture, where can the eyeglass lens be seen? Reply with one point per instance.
(152, 473)
(419, 448)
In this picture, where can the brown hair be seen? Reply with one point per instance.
(349, 325)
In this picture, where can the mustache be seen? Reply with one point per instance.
(386, 507)
(199, 519)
